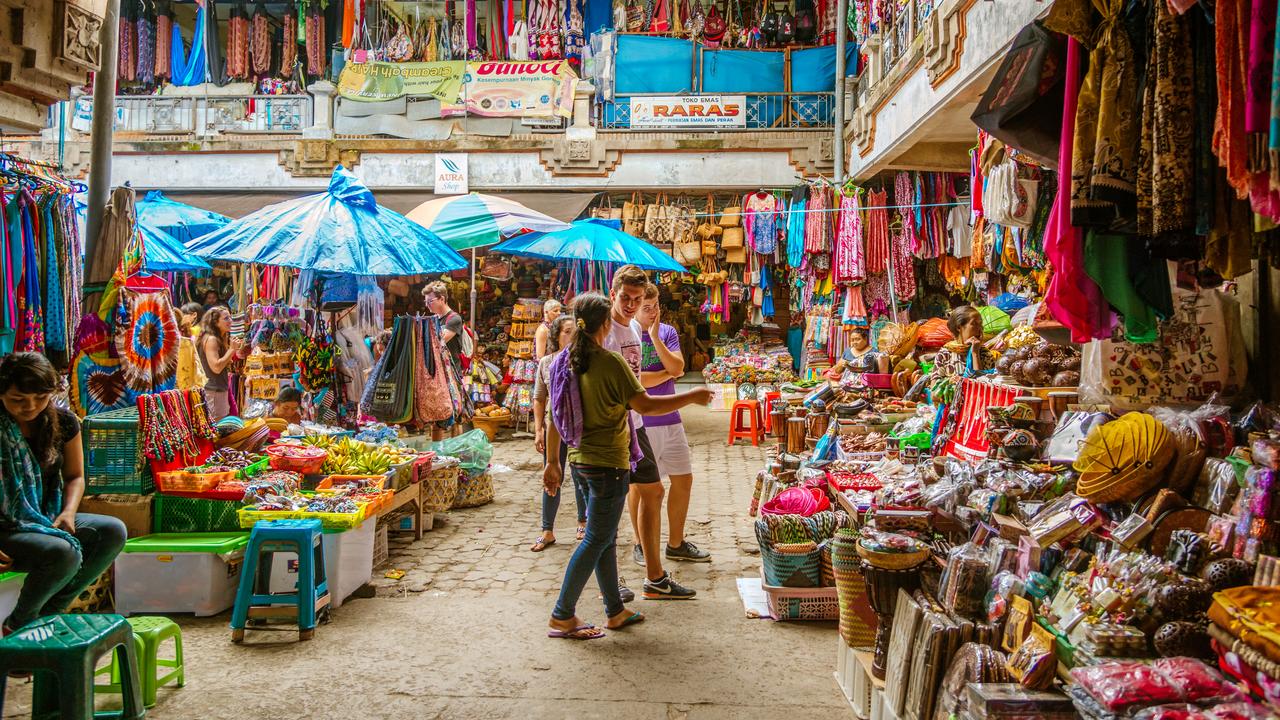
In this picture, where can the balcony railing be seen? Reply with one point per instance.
(760, 111)
(899, 30)
(205, 115)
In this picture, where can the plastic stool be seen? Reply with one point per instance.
(738, 428)
(62, 651)
(149, 633)
(765, 410)
(254, 598)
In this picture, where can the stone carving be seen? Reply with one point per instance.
(78, 36)
(317, 158)
(579, 157)
(864, 129)
(944, 40)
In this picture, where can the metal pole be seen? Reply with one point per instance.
(837, 147)
(104, 116)
(472, 318)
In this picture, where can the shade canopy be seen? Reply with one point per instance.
(593, 241)
(182, 221)
(341, 230)
(161, 252)
(476, 220)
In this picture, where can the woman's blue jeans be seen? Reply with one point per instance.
(56, 572)
(597, 553)
(551, 503)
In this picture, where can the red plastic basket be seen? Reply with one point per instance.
(303, 459)
(879, 381)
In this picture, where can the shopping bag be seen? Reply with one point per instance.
(1023, 104)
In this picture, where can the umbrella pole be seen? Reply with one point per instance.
(472, 317)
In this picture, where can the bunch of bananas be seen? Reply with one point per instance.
(348, 456)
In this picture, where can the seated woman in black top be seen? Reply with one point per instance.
(41, 483)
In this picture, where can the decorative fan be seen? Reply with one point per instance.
(98, 384)
(1123, 459)
(746, 391)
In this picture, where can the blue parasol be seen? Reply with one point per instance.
(593, 241)
(161, 252)
(342, 230)
(184, 222)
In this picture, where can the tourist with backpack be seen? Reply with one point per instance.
(458, 338)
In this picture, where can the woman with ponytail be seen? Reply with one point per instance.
(41, 483)
(592, 391)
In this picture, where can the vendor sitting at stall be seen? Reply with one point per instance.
(859, 357)
(288, 405)
(41, 483)
(965, 356)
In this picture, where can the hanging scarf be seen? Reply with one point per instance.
(238, 44)
(164, 44)
(903, 196)
(315, 40)
(146, 338)
(795, 226)
(31, 331)
(1259, 80)
(26, 504)
(55, 322)
(260, 41)
(904, 274)
(187, 69)
(146, 34)
(127, 63)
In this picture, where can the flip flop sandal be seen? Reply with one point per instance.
(540, 544)
(582, 632)
(634, 618)
(582, 534)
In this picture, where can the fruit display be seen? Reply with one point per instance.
(348, 456)
(1041, 365)
(496, 412)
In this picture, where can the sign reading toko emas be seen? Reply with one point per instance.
(667, 112)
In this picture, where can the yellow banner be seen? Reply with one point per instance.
(516, 89)
(379, 81)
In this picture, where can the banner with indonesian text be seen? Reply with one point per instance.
(516, 89)
(381, 81)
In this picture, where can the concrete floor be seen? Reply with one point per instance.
(463, 634)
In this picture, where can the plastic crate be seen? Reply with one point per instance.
(786, 603)
(171, 514)
(113, 461)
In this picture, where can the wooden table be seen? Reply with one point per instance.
(411, 493)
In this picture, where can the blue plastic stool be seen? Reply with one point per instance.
(254, 599)
(62, 651)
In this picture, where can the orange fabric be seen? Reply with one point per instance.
(1251, 614)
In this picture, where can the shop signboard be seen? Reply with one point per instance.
(516, 89)
(451, 174)
(670, 112)
(381, 81)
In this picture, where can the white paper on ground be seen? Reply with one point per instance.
(754, 601)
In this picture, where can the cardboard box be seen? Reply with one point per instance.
(133, 510)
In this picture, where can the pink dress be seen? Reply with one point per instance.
(850, 262)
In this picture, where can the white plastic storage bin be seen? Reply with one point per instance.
(348, 563)
(179, 573)
(10, 588)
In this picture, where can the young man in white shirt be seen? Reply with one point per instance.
(627, 295)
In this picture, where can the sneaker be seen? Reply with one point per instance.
(667, 589)
(688, 552)
(637, 554)
(627, 595)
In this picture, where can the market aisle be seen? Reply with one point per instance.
(463, 634)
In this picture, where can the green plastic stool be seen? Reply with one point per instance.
(149, 633)
(62, 651)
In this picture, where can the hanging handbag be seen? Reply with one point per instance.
(657, 221)
(733, 238)
(393, 387)
(736, 256)
(635, 16)
(1023, 104)
(496, 267)
(714, 29)
(607, 211)
(731, 216)
(633, 215)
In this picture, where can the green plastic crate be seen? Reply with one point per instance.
(113, 461)
(172, 514)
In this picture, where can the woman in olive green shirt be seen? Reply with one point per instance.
(602, 464)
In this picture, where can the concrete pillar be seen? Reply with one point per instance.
(322, 110)
(582, 107)
(104, 118)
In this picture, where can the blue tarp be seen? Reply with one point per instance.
(342, 230)
(654, 65)
(742, 71)
(814, 69)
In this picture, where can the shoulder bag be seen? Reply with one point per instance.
(633, 215)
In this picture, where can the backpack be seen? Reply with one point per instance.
(467, 341)
(713, 31)
(786, 29)
(806, 23)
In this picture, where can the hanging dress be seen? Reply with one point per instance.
(877, 231)
(849, 263)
